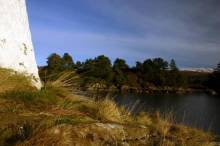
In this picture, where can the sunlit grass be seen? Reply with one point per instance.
(107, 110)
(11, 80)
(52, 113)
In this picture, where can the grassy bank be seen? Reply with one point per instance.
(54, 116)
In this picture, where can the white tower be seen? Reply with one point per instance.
(16, 49)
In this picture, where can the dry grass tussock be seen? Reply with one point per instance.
(107, 110)
(10, 80)
(64, 84)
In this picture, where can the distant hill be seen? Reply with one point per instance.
(201, 70)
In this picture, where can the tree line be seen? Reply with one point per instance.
(155, 72)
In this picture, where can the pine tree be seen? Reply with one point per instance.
(173, 66)
(68, 63)
(55, 63)
(217, 69)
(119, 69)
(215, 79)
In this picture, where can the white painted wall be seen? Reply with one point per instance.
(16, 49)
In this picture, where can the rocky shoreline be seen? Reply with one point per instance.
(149, 90)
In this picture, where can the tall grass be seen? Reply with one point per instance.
(11, 80)
(107, 110)
(69, 109)
(64, 84)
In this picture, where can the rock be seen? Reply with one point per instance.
(215, 144)
(96, 134)
(16, 47)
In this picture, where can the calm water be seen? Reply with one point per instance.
(197, 110)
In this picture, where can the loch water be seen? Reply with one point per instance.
(196, 110)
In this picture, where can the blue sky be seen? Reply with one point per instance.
(187, 31)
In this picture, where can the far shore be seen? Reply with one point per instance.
(150, 90)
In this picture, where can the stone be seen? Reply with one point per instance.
(16, 48)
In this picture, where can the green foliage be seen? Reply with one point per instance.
(150, 72)
(68, 63)
(160, 64)
(217, 70)
(173, 66)
(120, 64)
(78, 65)
(98, 69)
(120, 77)
(55, 63)
(174, 78)
(214, 80)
